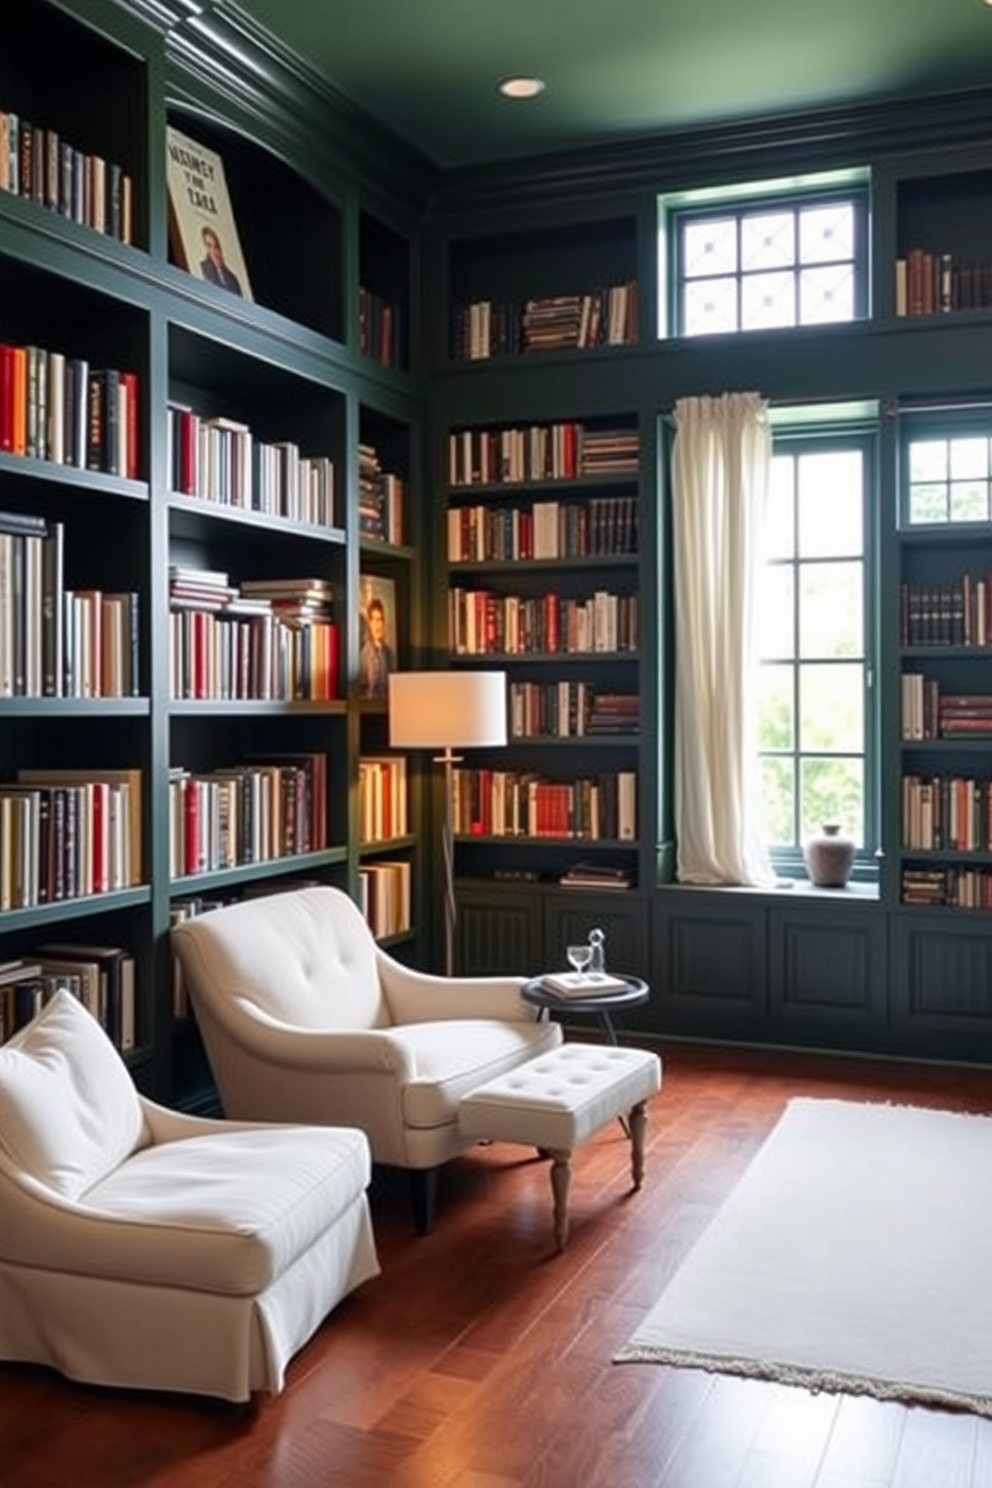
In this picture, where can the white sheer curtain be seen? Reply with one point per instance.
(720, 471)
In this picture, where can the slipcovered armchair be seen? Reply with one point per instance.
(145, 1248)
(305, 1018)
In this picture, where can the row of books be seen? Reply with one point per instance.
(520, 803)
(65, 834)
(929, 283)
(37, 163)
(379, 328)
(602, 527)
(102, 978)
(564, 710)
(956, 614)
(946, 813)
(58, 408)
(381, 500)
(481, 622)
(563, 451)
(382, 798)
(246, 813)
(218, 459)
(54, 641)
(488, 328)
(953, 887)
(261, 639)
(929, 713)
(384, 897)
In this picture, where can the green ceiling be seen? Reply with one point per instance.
(616, 69)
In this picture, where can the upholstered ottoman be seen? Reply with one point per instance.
(556, 1101)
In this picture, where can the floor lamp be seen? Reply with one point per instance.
(447, 711)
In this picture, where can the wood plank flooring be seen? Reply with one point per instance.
(479, 1359)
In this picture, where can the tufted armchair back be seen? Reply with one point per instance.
(305, 959)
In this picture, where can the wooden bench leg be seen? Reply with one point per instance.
(561, 1178)
(638, 1131)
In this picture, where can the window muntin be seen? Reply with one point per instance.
(772, 262)
(816, 727)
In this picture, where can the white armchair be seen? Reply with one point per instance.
(145, 1248)
(305, 1018)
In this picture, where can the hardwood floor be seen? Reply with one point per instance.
(479, 1359)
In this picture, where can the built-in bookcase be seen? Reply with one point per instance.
(244, 418)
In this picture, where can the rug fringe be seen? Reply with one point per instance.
(816, 1380)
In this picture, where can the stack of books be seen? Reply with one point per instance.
(580, 984)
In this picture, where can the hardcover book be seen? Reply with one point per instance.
(202, 230)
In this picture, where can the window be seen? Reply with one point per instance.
(816, 708)
(785, 256)
(949, 473)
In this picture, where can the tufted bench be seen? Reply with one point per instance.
(556, 1101)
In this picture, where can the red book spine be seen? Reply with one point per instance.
(191, 826)
(129, 382)
(6, 397)
(100, 836)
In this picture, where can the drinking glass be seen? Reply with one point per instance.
(579, 956)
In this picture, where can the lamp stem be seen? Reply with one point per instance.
(449, 760)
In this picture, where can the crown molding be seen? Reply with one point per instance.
(220, 58)
(720, 154)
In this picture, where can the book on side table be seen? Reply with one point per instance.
(583, 984)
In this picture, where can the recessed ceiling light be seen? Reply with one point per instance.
(527, 87)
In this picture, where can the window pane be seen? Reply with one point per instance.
(826, 294)
(969, 501)
(768, 300)
(832, 790)
(776, 710)
(778, 794)
(831, 520)
(831, 623)
(710, 305)
(826, 233)
(768, 241)
(928, 460)
(831, 708)
(709, 246)
(928, 503)
(969, 458)
(776, 611)
(781, 534)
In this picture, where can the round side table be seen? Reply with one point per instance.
(635, 992)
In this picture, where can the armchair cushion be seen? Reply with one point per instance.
(180, 1214)
(450, 1059)
(69, 1113)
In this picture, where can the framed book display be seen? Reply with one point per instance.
(377, 657)
(202, 229)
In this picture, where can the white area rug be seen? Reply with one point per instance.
(854, 1254)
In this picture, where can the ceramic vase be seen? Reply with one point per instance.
(829, 856)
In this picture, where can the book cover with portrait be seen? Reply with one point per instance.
(377, 635)
(202, 231)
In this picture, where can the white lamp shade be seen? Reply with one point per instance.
(438, 710)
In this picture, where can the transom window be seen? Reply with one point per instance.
(775, 260)
(949, 477)
(815, 713)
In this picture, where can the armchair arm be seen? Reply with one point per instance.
(419, 997)
(322, 1051)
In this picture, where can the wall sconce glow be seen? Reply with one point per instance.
(528, 87)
